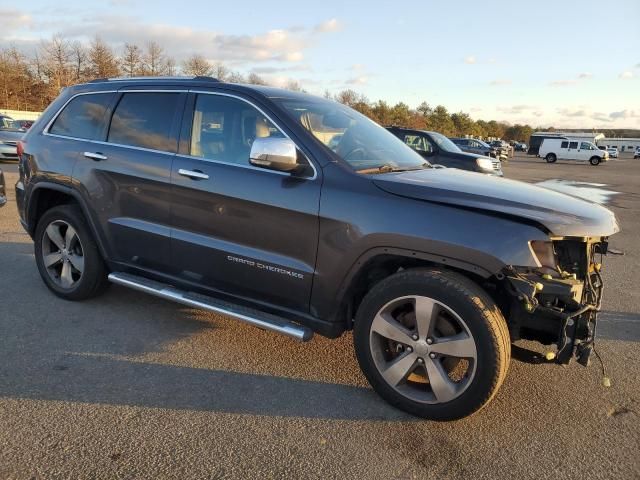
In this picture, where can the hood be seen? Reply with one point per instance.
(461, 155)
(561, 214)
(11, 134)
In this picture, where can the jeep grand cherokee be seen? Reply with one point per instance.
(299, 215)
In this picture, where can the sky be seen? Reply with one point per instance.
(571, 64)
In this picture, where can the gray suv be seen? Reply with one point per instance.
(299, 215)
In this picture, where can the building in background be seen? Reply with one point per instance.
(622, 144)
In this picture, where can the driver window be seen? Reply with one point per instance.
(224, 129)
(585, 146)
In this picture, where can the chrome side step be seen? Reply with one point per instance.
(251, 316)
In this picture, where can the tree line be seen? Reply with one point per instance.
(31, 82)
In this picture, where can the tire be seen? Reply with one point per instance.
(594, 161)
(69, 262)
(551, 158)
(455, 298)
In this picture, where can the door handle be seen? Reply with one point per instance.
(95, 156)
(193, 174)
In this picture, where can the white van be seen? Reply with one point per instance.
(553, 149)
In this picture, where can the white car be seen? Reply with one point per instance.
(636, 154)
(613, 152)
(553, 149)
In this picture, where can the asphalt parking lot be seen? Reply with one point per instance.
(129, 386)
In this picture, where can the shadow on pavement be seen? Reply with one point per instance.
(51, 349)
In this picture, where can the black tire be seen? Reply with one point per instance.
(551, 158)
(594, 160)
(485, 323)
(93, 279)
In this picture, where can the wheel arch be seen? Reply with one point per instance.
(379, 263)
(46, 195)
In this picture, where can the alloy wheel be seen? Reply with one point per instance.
(62, 254)
(423, 349)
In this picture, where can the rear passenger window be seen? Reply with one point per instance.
(145, 120)
(224, 129)
(83, 117)
(564, 145)
(573, 144)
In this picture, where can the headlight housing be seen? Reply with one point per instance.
(484, 163)
(544, 253)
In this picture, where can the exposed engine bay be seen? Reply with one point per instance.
(558, 302)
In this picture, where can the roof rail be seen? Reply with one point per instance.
(158, 78)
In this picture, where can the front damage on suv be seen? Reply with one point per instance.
(558, 301)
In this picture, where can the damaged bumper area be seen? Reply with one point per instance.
(558, 301)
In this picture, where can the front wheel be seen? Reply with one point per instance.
(594, 161)
(432, 343)
(551, 157)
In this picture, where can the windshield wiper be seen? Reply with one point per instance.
(387, 168)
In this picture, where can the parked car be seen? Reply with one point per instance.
(636, 154)
(553, 149)
(439, 150)
(9, 138)
(502, 149)
(6, 121)
(520, 147)
(436, 270)
(613, 152)
(3, 192)
(472, 145)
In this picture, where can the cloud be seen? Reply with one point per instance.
(470, 60)
(360, 80)
(624, 115)
(516, 109)
(626, 75)
(331, 25)
(270, 70)
(500, 82)
(286, 45)
(585, 75)
(13, 19)
(566, 112)
(562, 83)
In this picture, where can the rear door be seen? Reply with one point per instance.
(237, 228)
(127, 177)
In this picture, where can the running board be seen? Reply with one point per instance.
(259, 319)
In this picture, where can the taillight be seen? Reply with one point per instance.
(20, 148)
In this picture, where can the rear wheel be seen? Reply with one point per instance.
(551, 157)
(594, 160)
(67, 256)
(432, 343)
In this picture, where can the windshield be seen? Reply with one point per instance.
(444, 143)
(360, 142)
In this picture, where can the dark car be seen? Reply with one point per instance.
(3, 193)
(439, 150)
(228, 198)
(473, 145)
(22, 124)
(502, 149)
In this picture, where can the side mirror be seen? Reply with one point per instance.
(275, 153)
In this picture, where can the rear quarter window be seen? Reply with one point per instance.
(83, 117)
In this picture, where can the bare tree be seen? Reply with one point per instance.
(235, 77)
(79, 60)
(293, 85)
(256, 79)
(56, 54)
(197, 65)
(154, 61)
(102, 61)
(220, 72)
(131, 60)
(170, 67)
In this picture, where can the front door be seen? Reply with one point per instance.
(237, 228)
